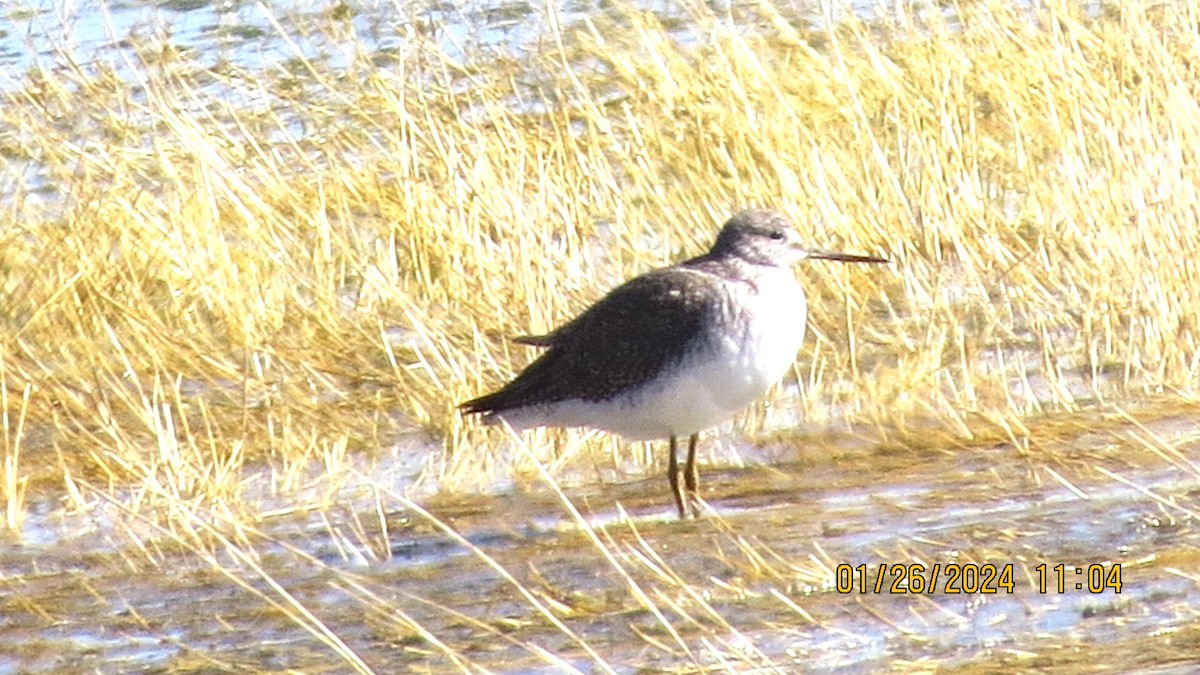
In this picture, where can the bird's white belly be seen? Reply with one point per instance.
(709, 386)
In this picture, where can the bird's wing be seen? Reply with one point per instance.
(639, 329)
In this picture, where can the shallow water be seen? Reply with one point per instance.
(752, 585)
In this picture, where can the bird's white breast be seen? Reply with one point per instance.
(770, 331)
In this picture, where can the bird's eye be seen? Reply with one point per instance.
(777, 235)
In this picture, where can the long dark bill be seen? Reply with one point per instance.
(845, 257)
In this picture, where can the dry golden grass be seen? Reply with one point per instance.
(228, 293)
(217, 268)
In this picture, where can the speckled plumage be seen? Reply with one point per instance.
(641, 328)
(673, 351)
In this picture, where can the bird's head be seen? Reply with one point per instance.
(763, 237)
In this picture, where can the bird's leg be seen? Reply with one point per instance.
(673, 478)
(691, 476)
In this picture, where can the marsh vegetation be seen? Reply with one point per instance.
(246, 283)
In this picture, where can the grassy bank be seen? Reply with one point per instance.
(207, 267)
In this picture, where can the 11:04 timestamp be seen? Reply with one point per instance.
(971, 578)
(1093, 578)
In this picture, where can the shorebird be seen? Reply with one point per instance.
(674, 351)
